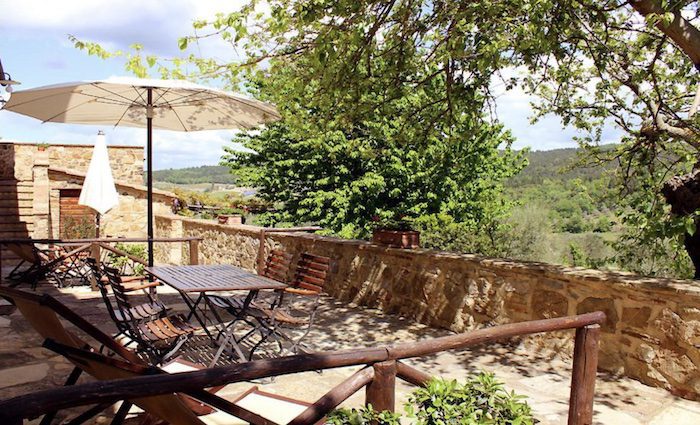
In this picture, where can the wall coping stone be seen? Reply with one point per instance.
(52, 144)
(137, 187)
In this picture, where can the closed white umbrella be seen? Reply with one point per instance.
(137, 102)
(98, 190)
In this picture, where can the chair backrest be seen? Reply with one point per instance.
(120, 294)
(169, 407)
(44, 313)
(277, 265)
(312, 272)
(101, 284)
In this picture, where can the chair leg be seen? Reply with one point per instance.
(88, 414)
(71, 380)
(121, 413)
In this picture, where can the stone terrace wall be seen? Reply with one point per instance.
(652, 332)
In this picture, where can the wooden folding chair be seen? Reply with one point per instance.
(43, 263)
(310, 275)
(154, 308)
(159, 338)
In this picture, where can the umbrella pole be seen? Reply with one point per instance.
(97, 225)
(149, 174)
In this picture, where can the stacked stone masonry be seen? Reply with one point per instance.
(652, 332)
(32, 177)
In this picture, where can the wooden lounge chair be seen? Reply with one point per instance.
(46, 315)
(42, 263)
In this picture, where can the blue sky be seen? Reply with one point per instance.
(35, 50)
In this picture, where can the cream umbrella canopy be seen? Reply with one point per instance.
(98, 190)
(136, 102)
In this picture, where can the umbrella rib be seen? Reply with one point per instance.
(129, 100)
(177, 101)
(184, 127)
(122, 116)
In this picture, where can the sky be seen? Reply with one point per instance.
(35, 50)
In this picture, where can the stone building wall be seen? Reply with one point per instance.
(652, 332)
(128, 219)
(32, 175)
(17, 159)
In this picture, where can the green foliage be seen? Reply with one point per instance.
(480, 400)
(363, 416)
(385, 102)
(126, 264)
(78, 227)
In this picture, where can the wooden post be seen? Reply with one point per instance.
(583, 375)
(194, 251)
(381, 392)
(95, 253)
(261, 252)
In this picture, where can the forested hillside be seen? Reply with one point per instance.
(192, 175)
(563, 213)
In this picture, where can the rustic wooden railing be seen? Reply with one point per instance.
(103, 243)
(383, 366)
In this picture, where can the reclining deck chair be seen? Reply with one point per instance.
(57, 264)
(44, 313)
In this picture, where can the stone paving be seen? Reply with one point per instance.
(542, 376)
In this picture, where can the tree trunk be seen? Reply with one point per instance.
(683, 194)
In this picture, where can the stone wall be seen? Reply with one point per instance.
(128, 219)
(32, 175)
(652, 332)
(16, 160)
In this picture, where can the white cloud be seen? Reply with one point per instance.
(157, 24)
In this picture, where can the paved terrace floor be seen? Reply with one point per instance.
(543, 377)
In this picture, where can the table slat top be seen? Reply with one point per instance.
(211, 278)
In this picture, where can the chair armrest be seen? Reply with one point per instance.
(144, 284)
(299, 291)
(134, 283)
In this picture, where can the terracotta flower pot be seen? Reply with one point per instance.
(396, 238)
(231, 219)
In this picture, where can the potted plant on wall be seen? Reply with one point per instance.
(395, 230)
(231, 216)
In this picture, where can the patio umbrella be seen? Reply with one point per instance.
(136, 102)
(98, 190)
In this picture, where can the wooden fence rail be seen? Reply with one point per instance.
(383, 366)
(103, 243)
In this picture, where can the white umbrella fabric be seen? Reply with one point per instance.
(137, 102)
(99, 192)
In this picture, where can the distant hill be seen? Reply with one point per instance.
(556, 165)
(204, 174)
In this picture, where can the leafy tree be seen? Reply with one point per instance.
(383, 151)
(592, 62)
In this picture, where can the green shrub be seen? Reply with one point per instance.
(125, 264)
(480, 400)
